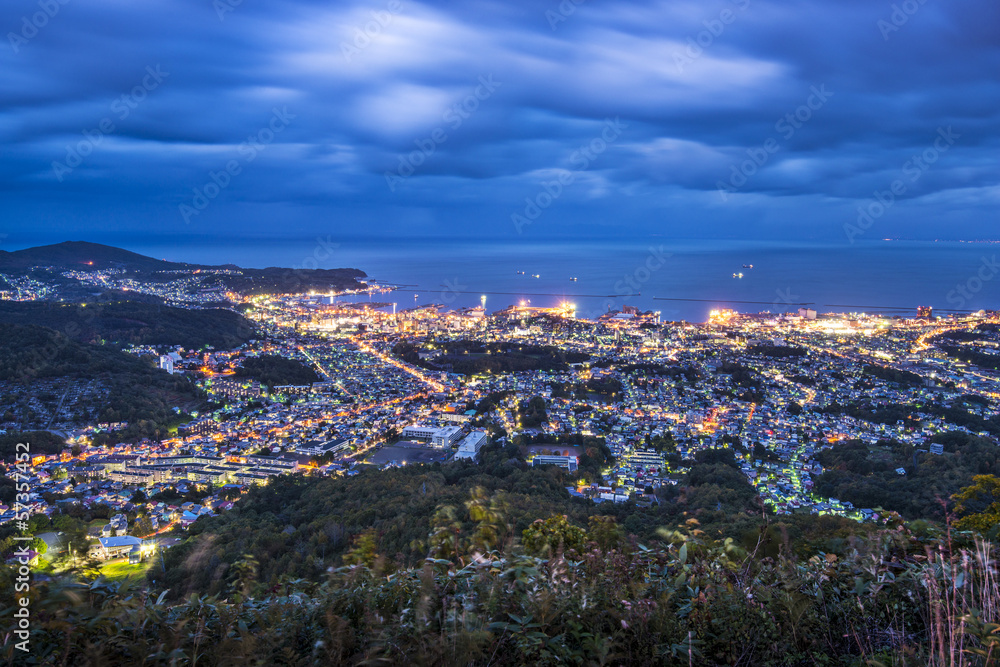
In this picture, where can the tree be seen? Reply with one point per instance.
(490, 517)
(363, 549)
(606, 532)
(245, 574)
(143, 527)
(979, 503)
(446, 535)
(553, 535)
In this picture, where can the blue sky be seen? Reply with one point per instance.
(730, 119)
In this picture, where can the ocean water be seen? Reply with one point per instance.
(867, 276)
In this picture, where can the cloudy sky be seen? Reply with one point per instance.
(737, 118)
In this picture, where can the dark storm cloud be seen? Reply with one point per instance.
(440, 118)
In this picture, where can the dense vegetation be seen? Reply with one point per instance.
(777, 351)
(38, 442)
(472, 357)
(135, 390)
(84, 256)
(908, 414)
(867, 477)
(750, 384)
(981, 359)
(133, 323)
(892, 375)
(299, 527)
(276, 280)
(276, 371)
(496, 588)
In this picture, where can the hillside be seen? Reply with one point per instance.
(297, 527)
(133, 323)
(276, 280)
(83, 256)
(307, 571)
(130, 389)
(275, 371)
(867, 476)
(86, 256)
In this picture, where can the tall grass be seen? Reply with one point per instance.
(891, 601)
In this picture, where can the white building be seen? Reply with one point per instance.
(419, 431)
(469, 446)
(441, 438)
(568, 462)
(446, 436)
(167, 363)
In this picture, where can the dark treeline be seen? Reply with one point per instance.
(300, 526)
(133, 323)
(496, 565)
(892, 375)
(135, 390)
(276, 371)
(470, 357)
(777, 351)
(867, 475)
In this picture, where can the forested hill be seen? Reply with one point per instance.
(82, 256)
(133, 323)
(298, 527)
(135, 390)
(85, 256)
(275, 371)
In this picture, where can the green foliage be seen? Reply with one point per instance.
(471, 357)
(133, 323)
(867, 477)
(552, 536)
(688, 600)
(893, 375)
(532, 413)
(777, 351)
(276, 371)
(979, 505)
(137, 391)
(299, 527)
(39, 442)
